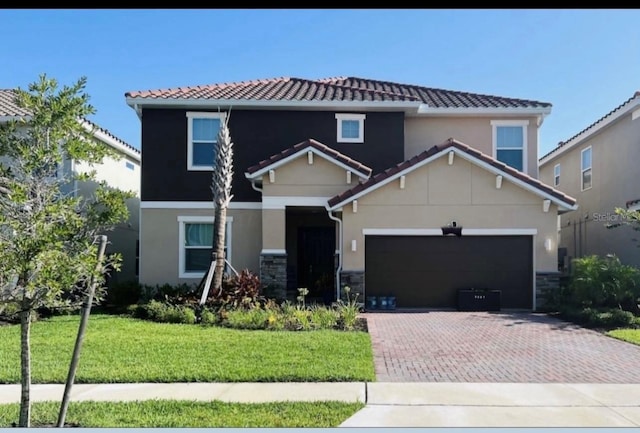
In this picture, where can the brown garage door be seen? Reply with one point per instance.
(427, 271)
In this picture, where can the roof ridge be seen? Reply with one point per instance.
(439, 89)
(561, 144)
(214, 85)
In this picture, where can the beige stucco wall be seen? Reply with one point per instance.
(273, 229)
(159, 247)
(437, 194)
(299, 178)
(615, 177)
(421, 133)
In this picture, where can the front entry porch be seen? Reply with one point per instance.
(309, 259)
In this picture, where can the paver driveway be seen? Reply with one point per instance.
(451, 346)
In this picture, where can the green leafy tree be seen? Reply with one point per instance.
(48, 248)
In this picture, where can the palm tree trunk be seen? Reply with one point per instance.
(25, 365)
(219, 235)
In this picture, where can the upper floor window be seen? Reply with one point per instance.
(129, 165)
(510, 142)
(585, 168)
(350, 128)
(556, 175)
(202, 138)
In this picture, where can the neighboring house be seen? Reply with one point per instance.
(316, 203)
(123, 173)
(599, 167)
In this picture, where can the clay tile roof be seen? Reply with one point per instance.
(361, 168)
(594, 124)
(9, 108)
(439, 148)
(337, 89)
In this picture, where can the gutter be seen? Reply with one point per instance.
(340, 230)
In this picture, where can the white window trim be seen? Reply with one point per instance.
(198, 115)
(525, 145)
(556, 175)
(582, 169)
(349, 116)
(181, 237)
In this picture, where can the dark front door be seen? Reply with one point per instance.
(427, 271)
(316, 250)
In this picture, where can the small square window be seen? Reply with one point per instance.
(129, 165)
(350, 128)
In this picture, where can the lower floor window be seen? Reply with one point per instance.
(196, 240)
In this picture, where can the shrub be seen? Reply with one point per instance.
(605, 318)
(238, 292)
(123, 294)
(162, 312)
(324, 318)
(348, 309)
(616, 318)
(175, 294)
(605, 282)
(10, 313)
(255, 318)
(208, 317)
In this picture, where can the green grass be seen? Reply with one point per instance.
(630, 335)
(121, 349)
(171, 413)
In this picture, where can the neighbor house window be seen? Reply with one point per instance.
(350, 128)
(129, 165)
(556, 175)
(195, 244)
(510, 142)
(586, 168)
(202, 138)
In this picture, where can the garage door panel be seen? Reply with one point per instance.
(427, 271)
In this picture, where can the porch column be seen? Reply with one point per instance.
(273, 258)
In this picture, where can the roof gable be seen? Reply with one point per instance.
(474, 156)
(300, 149)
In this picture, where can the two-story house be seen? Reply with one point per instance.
(599, 167)
(122, 173)
(350, 181)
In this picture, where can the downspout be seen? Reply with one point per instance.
(339, 221)
(253, 185)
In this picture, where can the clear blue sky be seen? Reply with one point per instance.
(585, 62)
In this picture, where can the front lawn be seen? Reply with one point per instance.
(630, 335)
(168, 413)
(121, 349)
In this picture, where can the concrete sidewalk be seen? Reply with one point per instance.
(498, 405)
(399, 404)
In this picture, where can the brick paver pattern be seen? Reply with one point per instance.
(451, 346)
